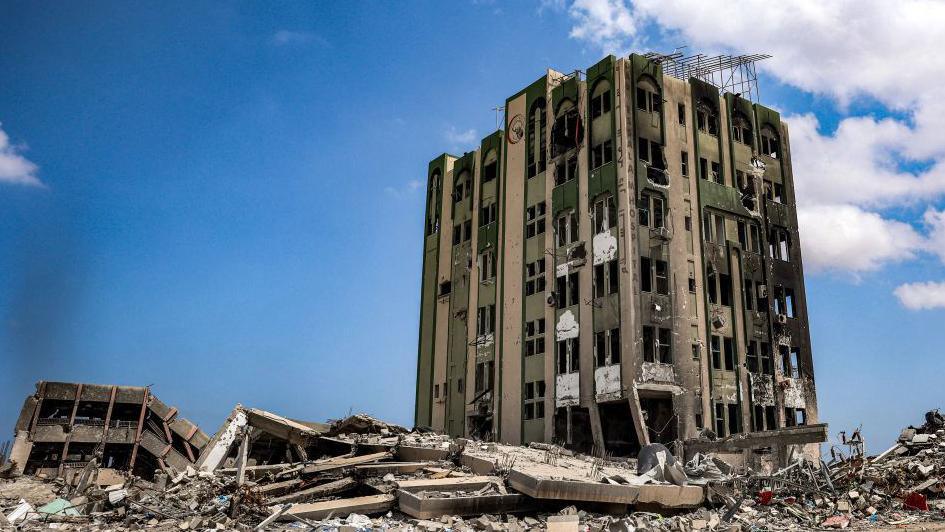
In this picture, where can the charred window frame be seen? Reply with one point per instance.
(707, 118)
(607, 347)
(487, 213)
(652, 211)
(600, 99)
(779, 244)
(606, 278)
(537, 122)
(484, 376)
(713, 227)
(795, 417)
(487, 266)
(605, 213)
(535, 220)
(724, 357)
(741, 129)
(657, 344)
(462, 188)
(535, 337)
(648, 95)
(784, 302)
(568, 290)
(566, 170)
(485, 320)
(758, 357)
(568, 356)
(462, 232)
(770, 142)
(566, 228)
(681, 113)
(763, 418)
(535, 277)
(567, 131)
(534, 400)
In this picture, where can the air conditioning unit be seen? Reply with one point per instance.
(782, 319)
(551, 299)
(718, 321)
(661, 233)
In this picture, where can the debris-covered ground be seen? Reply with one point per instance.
(372, 475)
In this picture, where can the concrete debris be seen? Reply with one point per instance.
(262, 471)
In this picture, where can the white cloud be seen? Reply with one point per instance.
(14, 168)
(886, 52)
(847, 238)
(935, 222)
(921, 296)
(404, 191)
(289, 37)
(460, 138)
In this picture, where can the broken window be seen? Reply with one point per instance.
(716, 173)
(734, 419)
(789, 361)
(602, 153)
(484, 372)
(566, 170)
(605, 214)
(646, 279)
(607, 347)
(568, 130)
(741, 129)
(703, 168)
(723, 353)
(725, 290)
(719, 419)
(795, 417)
(567, 228)
(436, 391)
(707, 118)
(606, 278)
(648, 97)
(711, 285)
(491, 169)
(770, 145)
(779, 244)
(485, 320)
(445, 288)
(534, 400)
(535, 220)
(600, 101)
(681, 113)
(461, 188)
(535, 277)
(487, 214)
(535, 146)
(652, 209)
(568, 355)
(684, 163)
(568, 290)
(433, 204)
(761, 293)
(657, 344)
(486, 266)
(763, 418)
(714, 227)
(749, 293)
(643, 150)
(784, 301)
(535, 337)
(661, 272)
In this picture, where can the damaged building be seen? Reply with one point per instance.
(620, 265)
(63, 426)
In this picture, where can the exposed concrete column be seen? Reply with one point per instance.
(636, 412)
(597, 431)
(65, 446)
(144, 409)
(108, 415)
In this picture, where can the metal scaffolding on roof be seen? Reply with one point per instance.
(730, 73)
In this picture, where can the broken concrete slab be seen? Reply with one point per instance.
(421, 507)
(371, 504)
(322, 490)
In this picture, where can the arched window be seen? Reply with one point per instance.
(707, 117)
(770, 145)
(537, 122)
(600, 99)
(433, 204)
(461, 188)
(568, 130)
(741, 129)
(648, 95)
(490, 166)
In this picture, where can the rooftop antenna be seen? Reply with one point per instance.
(498, 110)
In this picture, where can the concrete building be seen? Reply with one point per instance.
(63, 426)
(620, 265)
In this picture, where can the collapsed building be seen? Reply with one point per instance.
(620, 265)
(64, 426)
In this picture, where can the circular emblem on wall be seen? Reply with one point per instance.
(516, 129)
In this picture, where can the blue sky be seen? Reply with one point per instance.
(222, 200)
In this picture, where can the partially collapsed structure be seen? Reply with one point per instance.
(64, 425)
(620, 265)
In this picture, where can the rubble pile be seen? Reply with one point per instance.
(261, 471)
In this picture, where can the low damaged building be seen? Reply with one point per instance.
(63, 426)
(620, 265)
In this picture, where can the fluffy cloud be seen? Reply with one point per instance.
(14, 168)
(847, 238)
(872, 50)
(460, 138)
(921, 296)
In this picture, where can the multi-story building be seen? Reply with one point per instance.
(620, 265)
